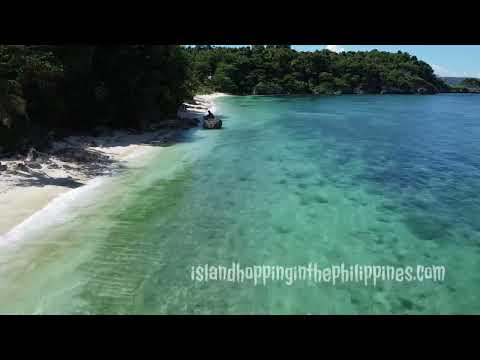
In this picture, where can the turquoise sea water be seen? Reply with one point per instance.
(369, 180)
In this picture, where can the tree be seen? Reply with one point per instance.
(279, 69)
(70, 88)
(223, 78)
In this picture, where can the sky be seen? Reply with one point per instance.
(446, 60)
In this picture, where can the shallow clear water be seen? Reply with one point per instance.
(384, 180)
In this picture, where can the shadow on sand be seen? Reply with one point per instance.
(82, 161)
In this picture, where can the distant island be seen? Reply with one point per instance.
(462, 84)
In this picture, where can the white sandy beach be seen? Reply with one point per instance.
(24, 191)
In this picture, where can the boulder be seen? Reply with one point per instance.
(423, 91)
(212, 123)
(78, 155)
(3, 167)
(34, 165)
(21, 167)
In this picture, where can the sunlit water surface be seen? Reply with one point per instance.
(384, 180)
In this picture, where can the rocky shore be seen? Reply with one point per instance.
(29, 182)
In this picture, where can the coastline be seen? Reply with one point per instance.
(83, 160)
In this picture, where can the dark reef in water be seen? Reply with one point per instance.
(281, 229)
(320, 199)
(427, 227)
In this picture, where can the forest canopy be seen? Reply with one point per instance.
(51, 91)
(278, 69)
(72, 88)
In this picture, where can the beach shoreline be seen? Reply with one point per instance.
(77, 161)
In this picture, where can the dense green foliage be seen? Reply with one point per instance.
(60, 89)
(50, 91)
(278, 69)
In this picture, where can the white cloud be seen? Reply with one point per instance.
(471, 74)
(335, 48)
(440, 70)
(443, 71)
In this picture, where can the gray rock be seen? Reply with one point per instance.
(212, 123)
(34, 165)
(36, 156)
(21, 167)
(79, 155)
(423, 91)
(3, 167)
